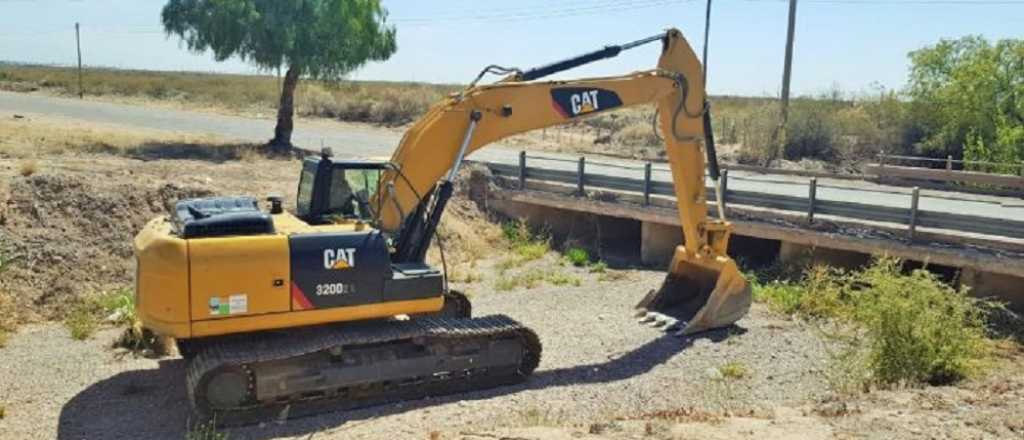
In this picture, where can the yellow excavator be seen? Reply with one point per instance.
(333, 306)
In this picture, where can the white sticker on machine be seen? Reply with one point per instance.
(238, 304)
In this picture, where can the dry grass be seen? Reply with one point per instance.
(360, 101)
(28, 167)
(8, 310)
(28, 138)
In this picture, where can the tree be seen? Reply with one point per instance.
(318, 39)
(968, 96)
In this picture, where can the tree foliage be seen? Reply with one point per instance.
(325, 39)
(968, 97)
(321, 39)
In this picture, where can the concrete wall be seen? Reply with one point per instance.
(658, 243)
(987, 284)
(614, 238)
(802, 254)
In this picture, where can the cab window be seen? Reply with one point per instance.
(351, 190)
(304, 199)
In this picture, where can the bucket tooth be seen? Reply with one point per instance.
(699, 293)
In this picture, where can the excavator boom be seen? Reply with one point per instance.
(704, 288)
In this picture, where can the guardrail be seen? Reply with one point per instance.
(948, 162)
(945, 170)
(912, 216)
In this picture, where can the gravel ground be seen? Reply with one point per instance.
(597, 364)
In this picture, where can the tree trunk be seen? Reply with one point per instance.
(285, 111)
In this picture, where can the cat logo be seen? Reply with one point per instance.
(571, 102)
(585, 102)
(339, 258)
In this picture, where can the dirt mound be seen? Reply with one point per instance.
(71, 235)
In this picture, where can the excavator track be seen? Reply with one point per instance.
(280, 375)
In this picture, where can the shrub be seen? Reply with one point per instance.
(81, 322)
(28, 167)
(579, 257)
(907, 328)
(524, 243)
(919, 330)
(733, 370)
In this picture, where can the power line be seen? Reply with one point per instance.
(906, 2)
(536, 14)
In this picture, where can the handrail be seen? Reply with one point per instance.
(911, 215)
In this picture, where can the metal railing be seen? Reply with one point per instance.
(644, 184)
(950, 163)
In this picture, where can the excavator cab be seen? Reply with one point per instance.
(332, 191)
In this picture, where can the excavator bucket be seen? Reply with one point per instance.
(700, 293)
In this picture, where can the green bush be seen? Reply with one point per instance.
(910, 328)
(524, 243)
(579, 257)
(919, 329)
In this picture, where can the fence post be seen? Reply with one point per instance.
(811, 198)
(724, 182)
(647, 184)
(881, 159)
(579, 176)
(949, 162)
(522, 170)
(913, 212)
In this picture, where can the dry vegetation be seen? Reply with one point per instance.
(835, 129)
(374, 102)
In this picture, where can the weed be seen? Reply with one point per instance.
(204, 431)
(81, 322)
(28, 167)
(118, 306)
(532, 250)
(599, 267)
(734, 370)
(532, 278)
(561, 279)
(849, 371)
(3, 338)
(524, 243)
(579, 257)
(531, 417)
(115, 306)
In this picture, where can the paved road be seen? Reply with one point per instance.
(361, 140)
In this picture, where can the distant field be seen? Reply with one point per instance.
(830, 129)
(361, 101)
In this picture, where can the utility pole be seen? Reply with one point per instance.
(707, 33)
(788, 68)
(78, 44)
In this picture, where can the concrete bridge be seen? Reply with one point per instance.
(628, 208)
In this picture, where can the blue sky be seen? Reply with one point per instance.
(851, 44)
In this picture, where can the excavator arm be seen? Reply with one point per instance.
(704, 289)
